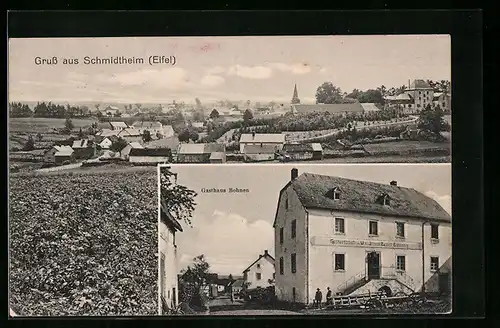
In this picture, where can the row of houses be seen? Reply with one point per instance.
(137, 127)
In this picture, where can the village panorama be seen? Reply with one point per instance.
(311, 239)
(408, 123)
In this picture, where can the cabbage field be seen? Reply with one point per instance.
(83, 243)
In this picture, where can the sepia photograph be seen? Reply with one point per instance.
(76, 103)
(304, 239)
(90, 119)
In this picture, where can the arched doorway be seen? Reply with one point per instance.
(386, 290)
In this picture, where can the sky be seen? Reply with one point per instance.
(263, 68)
(232, 229)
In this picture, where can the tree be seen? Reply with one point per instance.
(248, 102)
(118, 145)
(247, 116)
(146, 136)
(271, 104)
(193, 135)
(30, 144)
(230, 277)
(198, 103)
(198, 116)
(68, 125)
(185, 135)
(214, 114)
(432, 120)
(327, 93)
(39, 136)
(80, 134)
(371, 96)
(177, 198)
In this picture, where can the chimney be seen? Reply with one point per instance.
(253, 135)
(409, 83)
(394, 183)
(295, 174)
(265, 252)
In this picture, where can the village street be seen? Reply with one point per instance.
(223, 306)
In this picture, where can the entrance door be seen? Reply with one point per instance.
(373, 260)
(444, 283)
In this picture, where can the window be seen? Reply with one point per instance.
(400, 263)
(258, 275)
(444, 104)
(274, 275)
(434, 263)
(339, 225)
(418, 105)
(373, 230)
(294, 228)
(400, 229)
(294, 293)
(293, 258)
(385, 200)
(286, 204)
(281, 236)
(258, 266)
(409, 105)
(339, 262)
(434, 231)
(282, 265)
(336, 194)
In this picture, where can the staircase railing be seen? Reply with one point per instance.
(399, 275)
(358, 277)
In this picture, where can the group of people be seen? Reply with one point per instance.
(318, 298)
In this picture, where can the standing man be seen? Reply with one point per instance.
(329, 297)
(318, 298)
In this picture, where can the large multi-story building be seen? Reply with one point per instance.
(417, 96)
(358, 237)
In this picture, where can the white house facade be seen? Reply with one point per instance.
(393, 239)
(168, 284)
(260, 273)
(276, 140)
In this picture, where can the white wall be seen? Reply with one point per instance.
(285, 283)
(278, 146)
(321, 231)
(266, 270)
(149, 159)
(168, 249)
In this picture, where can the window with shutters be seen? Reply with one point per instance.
(282, 264)
(293, 259)
(281, 235)
(294, 229)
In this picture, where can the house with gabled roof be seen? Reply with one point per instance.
(260, 273)
(358, 237)
(201, 153)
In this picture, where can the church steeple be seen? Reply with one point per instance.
(295, 98)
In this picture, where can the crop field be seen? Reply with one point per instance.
(83, 243)
(406, 147)
(43, 125)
